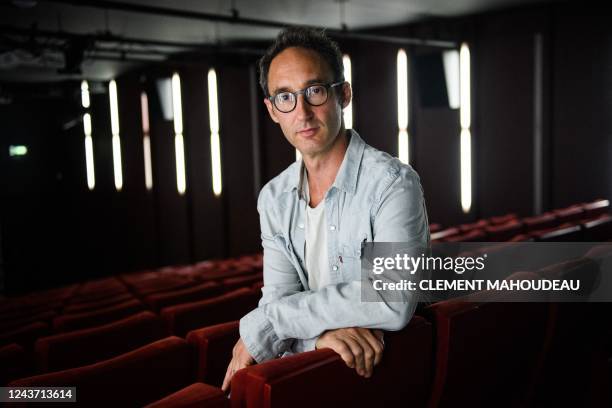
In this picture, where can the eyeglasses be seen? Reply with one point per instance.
(315, 95)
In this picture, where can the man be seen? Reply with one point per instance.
(315, 215)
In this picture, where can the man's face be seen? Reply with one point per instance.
(310, 129)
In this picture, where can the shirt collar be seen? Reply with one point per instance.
(346, 179)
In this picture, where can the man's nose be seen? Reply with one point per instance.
(303, 108)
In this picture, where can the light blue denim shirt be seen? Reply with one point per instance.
(376, 198)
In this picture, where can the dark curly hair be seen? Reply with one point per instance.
(304, 37)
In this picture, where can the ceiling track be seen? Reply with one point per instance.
(236, 19)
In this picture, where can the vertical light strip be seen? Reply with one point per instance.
(215, 143)
(85, 94)
(465, 114)
(114, 111)
(348, 77)
(466, 170)
(179, 146)
(146, 141)
(89, 158)
(402, 106)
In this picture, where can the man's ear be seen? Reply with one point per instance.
(347, 95)
(271, 110)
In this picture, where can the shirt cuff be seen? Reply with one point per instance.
(304, 345)
(259, 337)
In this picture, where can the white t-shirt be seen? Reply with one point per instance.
(315, 250)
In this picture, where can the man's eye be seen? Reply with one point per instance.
(283, 97)
(315, 90)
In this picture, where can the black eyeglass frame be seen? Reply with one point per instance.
(303, 91)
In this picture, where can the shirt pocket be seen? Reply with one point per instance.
(351, 258)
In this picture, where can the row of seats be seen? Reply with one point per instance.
(580, 222)
(62, 328)
(485, 349)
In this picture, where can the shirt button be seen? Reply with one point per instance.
(300, 225)
(332, 227)
(335, 267)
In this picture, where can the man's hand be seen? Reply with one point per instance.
(360, 348)
(240, 359)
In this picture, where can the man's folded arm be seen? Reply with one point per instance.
(286, 314)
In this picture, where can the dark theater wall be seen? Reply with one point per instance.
(576, 100)
(582, 154)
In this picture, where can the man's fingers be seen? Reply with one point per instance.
(375, 344)
(364, 338)
(358, 354)
(228, 377)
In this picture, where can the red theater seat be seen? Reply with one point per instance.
(162, 284)
(91, 305)
(487, 352)
(502, 219)
(442, 235)
(472, 226)
(539, 222)
(11, 324)
(321, 379)
(75, 321)
(196, 395)
(158, 301)
(15, 362)
(241, 281)
(24, 335)
(474, 235)
(86, 346)
(181, 319)
(435, 227)
(214, 345)
(503, 232)
(596, 209)
(569, 214)
(131, 379)
(563, 233)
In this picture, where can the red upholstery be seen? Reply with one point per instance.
(241, 281)
(86, 346)
(538, 222)
(472, 226)
(181, 319)
(196, 395)
(96, 317)
(569, 214)
(220, 274)
(214, 345)
(435, 227)
(158, 301)
(321, 379)
(502, 219)
(474, 235)
(441, 235)
(487, 353)
(131, 379)
(563, 233)
(24, 335)
(596, 208)
(14, 323)
(91, 305)
(162, 284)
(503, 232)
(15, 362)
